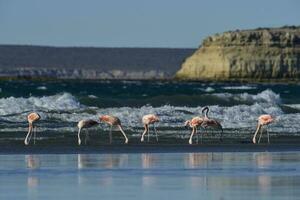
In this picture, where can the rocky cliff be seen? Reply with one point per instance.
(264, 53)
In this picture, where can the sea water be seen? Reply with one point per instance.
(62, 104)
(260, 175)
(160, 175)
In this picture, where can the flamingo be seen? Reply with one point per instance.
(113, 121)
(208, 122)
(263, 120)
(147, 120)
(194, 123)
(85, 124)
(32, 119)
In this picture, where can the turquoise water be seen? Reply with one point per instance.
(151, 176)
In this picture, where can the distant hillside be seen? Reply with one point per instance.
(90, 63)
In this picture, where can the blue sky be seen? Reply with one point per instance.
(136, 23)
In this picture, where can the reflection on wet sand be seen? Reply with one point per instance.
(195, 160)
(198, 160)
(107, 161)
(263, 160)
(217, 175)
(148, 161)
(32, 163)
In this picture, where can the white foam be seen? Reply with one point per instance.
(242, 87)
(59, 102)
(207, 89)
(92, 96)
(266, 96)
(64, 108)
(41, 88)
(295, 106)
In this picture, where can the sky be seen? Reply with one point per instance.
(136, 23)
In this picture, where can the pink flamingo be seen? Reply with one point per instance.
(113, 121)
(208, 122)
(194, 124)
(32, 119)
(263, 120)
(147, 120)
(85, 124)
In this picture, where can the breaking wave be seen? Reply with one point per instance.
(266, 96)
(59, 102)
(66, 108)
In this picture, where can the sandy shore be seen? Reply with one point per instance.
(41, 149)
(67, 144)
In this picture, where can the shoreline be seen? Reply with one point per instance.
(149, 148)
(167, 80)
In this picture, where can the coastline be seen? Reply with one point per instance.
(158, 79)
(149, 148)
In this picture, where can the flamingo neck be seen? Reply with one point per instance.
(206, 112)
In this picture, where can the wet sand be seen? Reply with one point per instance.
(148, 148)
(220, 175)
(99, 144)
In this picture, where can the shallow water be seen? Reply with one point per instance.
(62, 104)
(261, 175)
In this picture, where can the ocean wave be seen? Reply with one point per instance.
(242, 87)
(207, 89)
(41, 88)
(58, 102)
(266, 96)
(66, 109)
(294, 106)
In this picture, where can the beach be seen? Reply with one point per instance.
(213, 175)
(55, 166)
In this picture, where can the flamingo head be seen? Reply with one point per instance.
(204, 109)
(187, 123)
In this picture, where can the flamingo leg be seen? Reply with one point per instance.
(268, 135)
(34, 134)
(126, 139)
(143, 134)
(254, 136)
(202, 137)
(110, 135)
(148, 133)
(221, 136)
(261, 132)
(197, 135)
(86, 137)
(155, 133)
(28, 136)
(191, 137)
(79, 140)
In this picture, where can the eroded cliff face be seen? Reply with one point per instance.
(251, 54)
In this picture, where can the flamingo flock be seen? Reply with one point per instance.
(198, 122)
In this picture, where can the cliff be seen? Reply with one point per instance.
(264, 53)
(90, 63)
